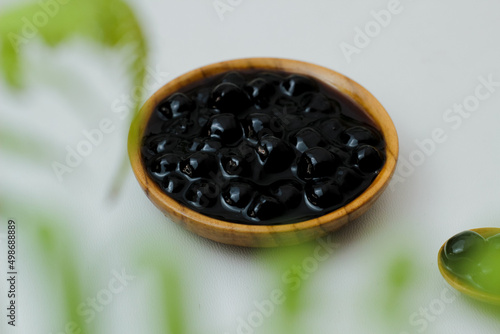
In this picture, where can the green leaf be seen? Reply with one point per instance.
(9, 61)
(170, 289)
(108, 23)
(21, 144)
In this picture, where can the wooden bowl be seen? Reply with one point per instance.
(274, 235)
(462, 285)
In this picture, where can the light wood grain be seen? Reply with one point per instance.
(278, 235)
(462, 285)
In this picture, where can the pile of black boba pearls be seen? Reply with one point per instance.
(261, 147)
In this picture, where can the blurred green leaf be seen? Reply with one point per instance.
(400, 272)
(400, 275)
(288, 266)
(109, 23)
(61, 262)
(21, 144)
(169, 288)
(52, 244)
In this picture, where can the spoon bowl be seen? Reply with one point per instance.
(463, 285)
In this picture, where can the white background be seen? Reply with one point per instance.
(428, 58)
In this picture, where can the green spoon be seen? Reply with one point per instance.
(470, 263)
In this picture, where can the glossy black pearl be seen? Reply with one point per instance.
(264, 208)
(203, 95)
(159, 144)
(257, 125)
(348, 180)
(318, 103)
(368, 158)
(238, 194)
(289, 194)
(296, 85)
(324, 194)
(199, 164)
(163, 165)
(179, 127)
(247, 153)
(316, 162)
(307, 138)
(229, 98)
(205, 145)
(225, 127)
(203, 193)
(285, 105)
(332, 130)
(235, 165)
(260, 92)
(273, 78)
(173, 183)
(178, 104)
(359, 135)
(235, 78)
(276, 154)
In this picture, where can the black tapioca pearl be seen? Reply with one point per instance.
(164, 164)
(288, 193)
(257, 125)
(229, 98)
(173, 183)
(348, 180)
(324, 194)
(157, 144)
(225, 127)
(235, 78)
(317, 162)
(285, 105)
(264, 208)
(235, 165)
(177, 105)
(273, 78)
(203, 193)
(307, 138)
(276, 154)
(179, 127)
(205, 145)
(368, 158)
(296, 85)
(332, 129)
(358, 135)
(238, 194)
(260, 92)
(199, 164)
(247, 152)
(319, 103)
(202, 96)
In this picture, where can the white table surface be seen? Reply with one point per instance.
(429, 57)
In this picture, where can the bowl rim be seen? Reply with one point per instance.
(339, 82)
